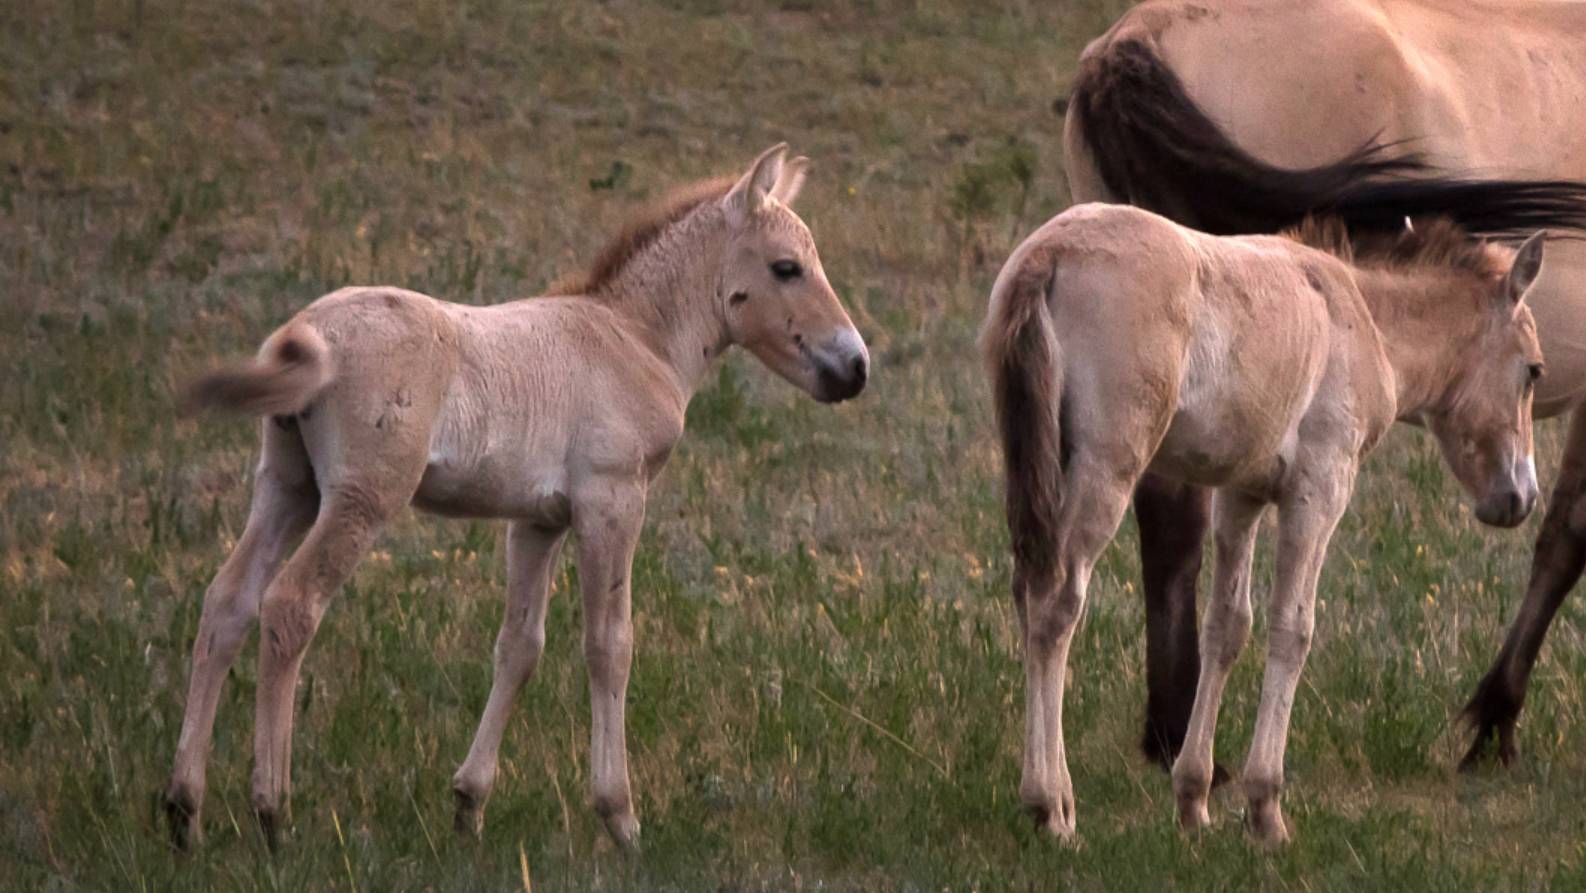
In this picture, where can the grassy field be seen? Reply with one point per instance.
(827, 688)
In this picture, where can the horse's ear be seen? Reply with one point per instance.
(1527, 264)
(748, 195)
(791, 181)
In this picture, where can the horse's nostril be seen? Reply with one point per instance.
(860, 370)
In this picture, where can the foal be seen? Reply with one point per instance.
(555, 413)
(1266, 367)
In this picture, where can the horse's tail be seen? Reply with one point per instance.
(1153, 147)
(1024, 360)
(292, 368)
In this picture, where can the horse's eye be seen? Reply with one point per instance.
(1535, 371)
(785, 270)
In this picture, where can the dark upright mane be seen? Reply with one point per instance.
(641, 231)
(1430, 243)
(1156, 149)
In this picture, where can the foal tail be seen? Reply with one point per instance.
(1023, 358)
(290, 371)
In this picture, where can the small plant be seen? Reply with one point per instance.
(999, 184)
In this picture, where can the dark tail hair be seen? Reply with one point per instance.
(1023, 357)
(291, 370)
(1156, 149)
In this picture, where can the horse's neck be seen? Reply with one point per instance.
(1421, 335)
(669, 291)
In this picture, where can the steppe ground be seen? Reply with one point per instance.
(827, 691)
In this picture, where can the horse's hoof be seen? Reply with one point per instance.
(1194, 814)
(1057, 823)
(469, 819)
(181, 817)
(1267, 827)
(269, 828)
(624, 829)
(1481, 754)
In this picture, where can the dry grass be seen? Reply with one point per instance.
(827, 690)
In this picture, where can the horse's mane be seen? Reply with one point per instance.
(1424, 243)
(643, 227)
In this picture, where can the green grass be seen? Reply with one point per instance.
(177, 178)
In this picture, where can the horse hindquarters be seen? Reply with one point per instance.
(1084, 419)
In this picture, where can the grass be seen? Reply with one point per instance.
(827, 690)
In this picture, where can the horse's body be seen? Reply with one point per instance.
(1489, 88)
(556, 413)
(1119, 342)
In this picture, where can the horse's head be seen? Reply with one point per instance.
(773, 291)
(1484, 424)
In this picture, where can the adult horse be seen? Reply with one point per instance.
(1234, 116)
(556, 413)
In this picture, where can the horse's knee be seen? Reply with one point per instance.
(1291, 642)
(609, 652)
(1227, 633)
(518, 651)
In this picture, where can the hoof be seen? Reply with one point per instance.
(1056, 823)
(1192, 790)
(469, 820)
(181, 817)
(624, 829)
(1267, 827)
(269, 828)
(1482, 752)
(1194, 814)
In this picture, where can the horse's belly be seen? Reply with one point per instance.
(1219, 449)
(1237, 414)
(486, 490)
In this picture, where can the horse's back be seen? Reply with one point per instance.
(1300, 83)
(1270, 321)
(1225, 340)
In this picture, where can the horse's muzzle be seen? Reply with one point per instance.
(842, 381)
(1510, 502)
(842, 369)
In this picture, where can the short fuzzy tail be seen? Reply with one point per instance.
(290, 371)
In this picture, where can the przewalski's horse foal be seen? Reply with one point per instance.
(1266, 367)
(555, 413)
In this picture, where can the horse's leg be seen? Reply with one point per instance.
(1307, 517)
(350, 516)
(1095, 497)
(1173, 520)
(608, 515)
(1555, 568)
(531, 560)
(1227, 629)
(284, 500)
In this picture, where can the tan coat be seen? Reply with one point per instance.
(1492, 88)
(555, 413)
(1120, 342)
